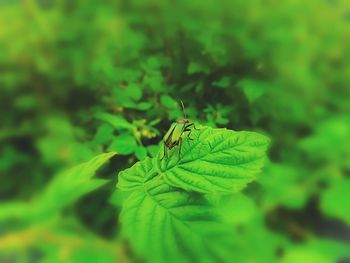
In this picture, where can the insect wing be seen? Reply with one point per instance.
(177, 132)
(169, 133)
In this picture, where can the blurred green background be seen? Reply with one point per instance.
(79, 78)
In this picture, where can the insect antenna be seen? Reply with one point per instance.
(183, 109)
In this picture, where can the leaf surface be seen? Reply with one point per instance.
(166, 216)
(335, 200)
(216, 160)
(116, 121)
(165, 224)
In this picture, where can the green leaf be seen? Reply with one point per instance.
(141, 153)
(165, 224)
(224, 82)
(144, 106)
(14, 209)
(60, 144)
(317, 251)
(118, 122)
(69, 185)
(154, 80)
(134, 92)
(123, 144)
(217, 160)
(168, 102)
(253, 89)
(153, 63)
(153, 149)
(235, 208)
(282, 185)
(335, 200)
(134, 178)
(63, 190)
(103, 134)
(332, 133)
(195, 67)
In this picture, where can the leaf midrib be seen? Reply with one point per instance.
(173, 216)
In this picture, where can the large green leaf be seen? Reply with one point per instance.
(135, 177)
(163, 216)
(165, 224)
(216, 160)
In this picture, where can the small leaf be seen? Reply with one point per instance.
(335, 200)
(141, 153)
(235, 208)
(253, 89)
(195, 67)
(103, 135)
(153, 149)
(144, 106)
(123, 144)
(168, 102)
(134, 92)
(332, 133)
(117, 122)
(224, 82)
(154, 80)
(282, 184)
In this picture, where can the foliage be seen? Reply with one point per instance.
(43, 219)
(165, 216)
(82, 78)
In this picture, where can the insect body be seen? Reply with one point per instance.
(174, 135)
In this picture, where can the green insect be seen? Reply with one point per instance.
(174, 135)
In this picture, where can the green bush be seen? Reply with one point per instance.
(82, 80)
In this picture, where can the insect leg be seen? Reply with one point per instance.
(187, 129)
(164, 152)
(189, 125)
(180, 146)
(188, 135)
(194, 126)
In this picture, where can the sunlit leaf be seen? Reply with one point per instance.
(165, 224)
(217, 160)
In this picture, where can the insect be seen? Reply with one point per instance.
(174, 135)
